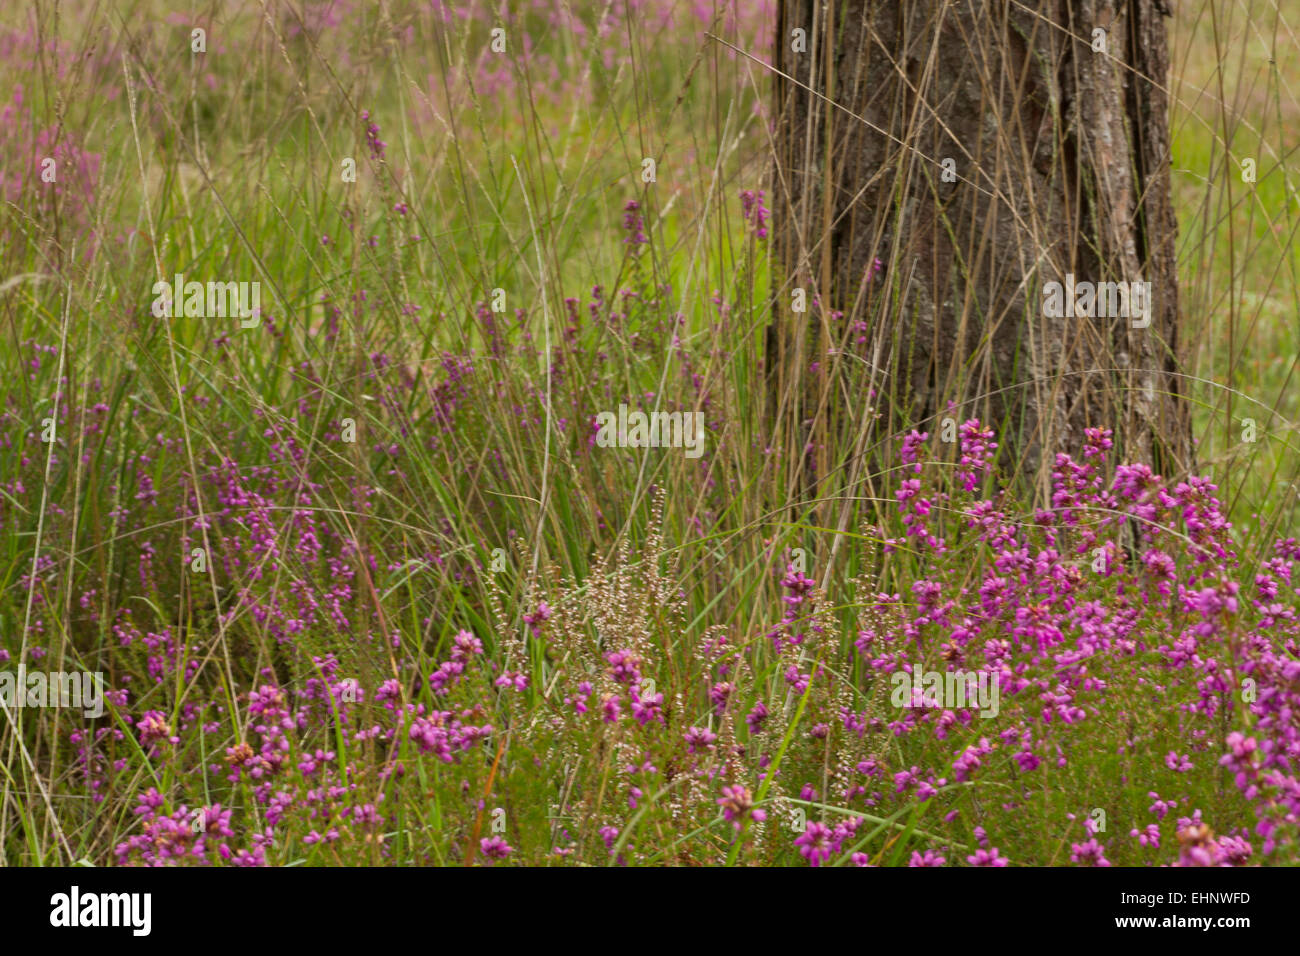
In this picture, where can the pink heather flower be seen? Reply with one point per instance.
(153, 726)
(1233, 850)
(464, 645)
(579, 700)
(632, 224)
(754, 212)
(1090, 853)
(910, 453)
(1097, 442)
(719, 694)
(1160, 807)
(815, 843)
(376, 144)
(513, 679)
(798, 583)
(737, 803)
(967, 763)
(798, 682)
(447, 674)
(977, 445)
(1179, 764)
(647, 709)
(1240, 750)
(984, 857)
(612, 709)
(1200, 847)
(495, 848)
(537, 618)
(930, 858)
(699, 740)
(1147, 837)
(609, 835)
(624, 667)
(1027, 760)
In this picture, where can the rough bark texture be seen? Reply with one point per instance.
(1062, 163)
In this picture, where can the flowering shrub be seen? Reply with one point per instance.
(364, 587)
(1120, 602)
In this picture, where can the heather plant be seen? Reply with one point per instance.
(365, 585)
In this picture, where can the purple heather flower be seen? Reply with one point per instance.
(699, 740)
(754, 212)
(632, 224)
(737, 803)
(1089, 854)
(815, 843)
(538, 617)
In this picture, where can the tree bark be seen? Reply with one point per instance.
(1060, 164)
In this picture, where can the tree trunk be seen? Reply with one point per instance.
(1059, 165)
